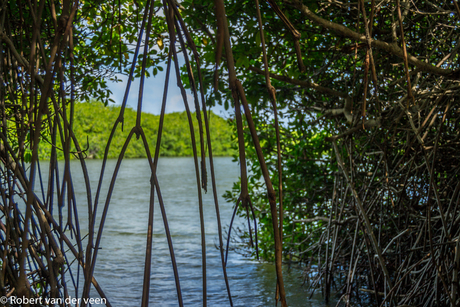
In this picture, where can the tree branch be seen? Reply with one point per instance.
(326, 219)
(390, 48)
(22, 61)
(367, 124)
(307, 84)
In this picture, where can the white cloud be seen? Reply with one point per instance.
(176, 103)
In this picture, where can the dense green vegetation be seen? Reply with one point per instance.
(366, 94)
(93, 124)
(364, 177)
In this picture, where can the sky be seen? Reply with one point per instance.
(153, 94)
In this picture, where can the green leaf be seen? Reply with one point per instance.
(258, 38)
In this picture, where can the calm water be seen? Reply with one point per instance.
(120, 263)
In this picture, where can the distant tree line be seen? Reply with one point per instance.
(93, 123)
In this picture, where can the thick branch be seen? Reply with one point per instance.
(346, 111)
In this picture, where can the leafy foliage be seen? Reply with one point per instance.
(364, 112)
(367, 98)
(105, 35)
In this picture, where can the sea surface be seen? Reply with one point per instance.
(120, 262)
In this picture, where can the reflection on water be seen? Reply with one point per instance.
(120, 263)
